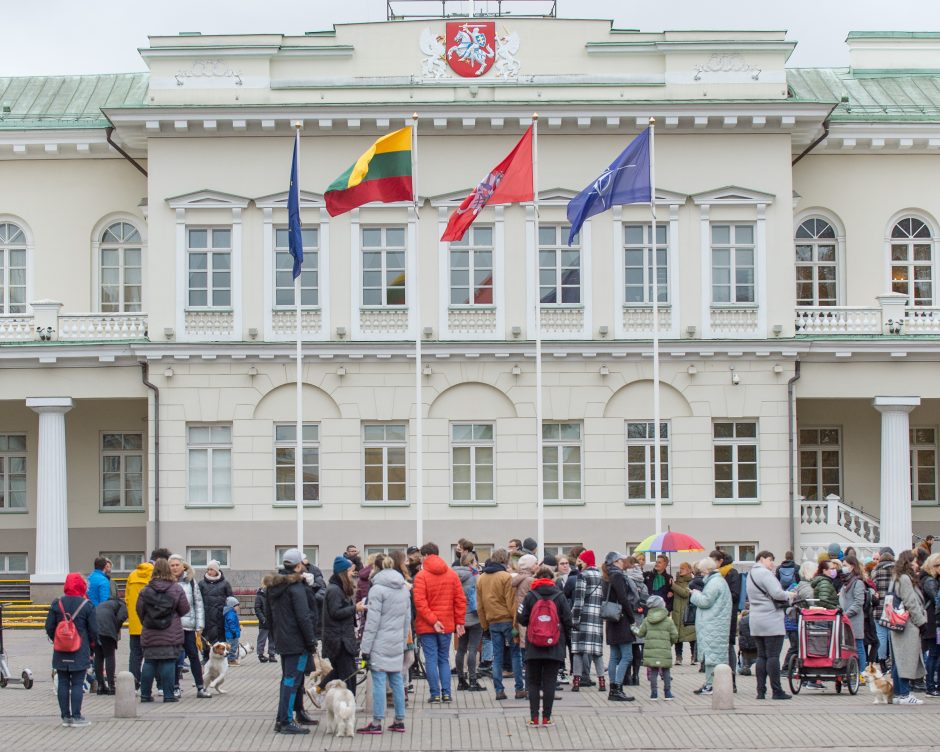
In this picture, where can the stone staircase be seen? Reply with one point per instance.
(834, 521)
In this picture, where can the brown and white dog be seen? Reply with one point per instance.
(321, 669)
(340, 706)
(879, 685)
(214, 673)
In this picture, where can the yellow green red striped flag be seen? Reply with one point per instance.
(382, 174)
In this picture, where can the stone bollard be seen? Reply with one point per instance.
(722, 688)
(125, 698)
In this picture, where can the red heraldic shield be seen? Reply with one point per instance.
(471, 47)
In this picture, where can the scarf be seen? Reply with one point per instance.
(659, 580)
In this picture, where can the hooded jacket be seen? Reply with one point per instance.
(195, 620)
(233, 627)
(111, 616)
(468, 581)
(825, 591)
(388, 621)
(287, 613)
(547, 589)
(495, 595)
(214, 594)
(99, 587)
(680, 605)
(659, 633)
(85, 622)
(363, 582)
(136, 581)
(438, 597)
(173, 634)
(339, 621)
(713, 622)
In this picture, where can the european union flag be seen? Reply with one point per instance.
(294, 236)
(626, 181)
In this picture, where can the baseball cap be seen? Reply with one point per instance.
(292, 557)
(613, 556)
(412, 550)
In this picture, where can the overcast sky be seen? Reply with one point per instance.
(49, 37)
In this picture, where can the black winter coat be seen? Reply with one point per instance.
(555, 652)
(620, 590)
(733, 578)
(339, 621)
(570, 584)
(111, 615)
(319, 586)
(85, 623)
(213, 601)
(288, 615)
(929, 586)
(261, 597)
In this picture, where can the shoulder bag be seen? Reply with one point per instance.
(610, 610)
(894, 616)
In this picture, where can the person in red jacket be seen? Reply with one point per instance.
(440, 607)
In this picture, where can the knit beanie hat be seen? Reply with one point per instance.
(587, 557)
(655, 601)
(341, 564)
(231, 601)
(527, 562)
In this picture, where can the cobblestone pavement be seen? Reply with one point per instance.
(243, 718)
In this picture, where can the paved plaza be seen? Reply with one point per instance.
(243, 719)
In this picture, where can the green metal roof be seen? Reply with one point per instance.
(67, 101)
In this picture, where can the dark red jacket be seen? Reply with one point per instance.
(173, 634)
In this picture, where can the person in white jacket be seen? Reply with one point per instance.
(192, 623)
(768, 601)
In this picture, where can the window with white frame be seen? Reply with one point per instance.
(912, 261)
(385, 449)
(471, 268)
(923, 465)
(123, 562)
(743, 551)
(382, 548)
(558, 550)
(284, 269)
(122, 470)
(559, 266)
(630, 547)
(735, 454)
(121, 269)
(200, 556)
(641, 461)
(816, 264)
(12, 472)
(638, 264)
(472, 475)
(733, 263)
(820, 463)
(14, 563)
(210, 465)
(209, 260)
(311, 552)
(561, 462)
(285, 446)
(12, 269)
(383, 266)
(483, 552)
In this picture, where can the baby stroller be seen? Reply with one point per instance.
(826, 651)
(26, 676)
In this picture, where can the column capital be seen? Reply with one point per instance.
(49, 404)
(895, 404)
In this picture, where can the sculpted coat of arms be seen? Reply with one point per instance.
(470, 49)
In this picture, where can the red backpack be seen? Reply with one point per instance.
(544, 629)
(67, 638)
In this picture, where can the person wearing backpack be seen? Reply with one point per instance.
(788, 572)
(73, 629)
(160, 607)
(468, 644)
(547, 617)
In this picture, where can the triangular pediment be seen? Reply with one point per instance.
(670, 198)
(208, 199)
(733, 194)
(308, 200)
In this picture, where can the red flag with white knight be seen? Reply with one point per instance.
(510, 182)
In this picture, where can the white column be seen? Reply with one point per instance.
(52, 513)
(896, 528)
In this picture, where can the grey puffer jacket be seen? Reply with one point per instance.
(195, 620)
(388, 621)
(468, 581)
(764, 593)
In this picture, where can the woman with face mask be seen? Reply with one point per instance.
(852, 603)
(824, 584)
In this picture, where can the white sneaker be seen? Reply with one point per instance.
(907, 700)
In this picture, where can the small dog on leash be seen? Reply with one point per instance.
(214, 674)
(322, 667)
(244, 650)
(879, 685)
(340, 706)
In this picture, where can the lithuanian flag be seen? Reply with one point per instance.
(382, 174)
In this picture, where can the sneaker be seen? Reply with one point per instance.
(907, 700)
(667, 695)
(292, 728)
(933, 693)
(262, 659)
(373, 728)
(521, 694)
(171, 699)
(705, 689)
(79, 721)
(446, 698)
(66, 720)
(548, 722)
(146, 699)
(434, 700)
(781, 696)
(500, 695)
(233, 663)
(177, 692)
(397, 727)
(654, 695)
(462, 684)
(203, 694)
(533, 722)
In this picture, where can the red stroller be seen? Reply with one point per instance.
(827, 651)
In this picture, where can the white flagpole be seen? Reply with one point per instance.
(540, 490)
(299, 423)
(657, 465)
(419, 402)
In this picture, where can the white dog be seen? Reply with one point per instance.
(214, 674)
(340, 706)
(322, 667)
(244, 650)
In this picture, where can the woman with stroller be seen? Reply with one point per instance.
(852, 600)
(908, 664)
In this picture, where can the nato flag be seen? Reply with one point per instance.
(294, 236)
(626, 181)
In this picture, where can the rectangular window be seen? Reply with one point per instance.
(380, 548)
(311, 552)
(558, 550)
(285, 444)
(561, 462)
(912, 271)
(14, 564)
(123, 562)
(121, 279)
(12, 269)
(739, 551)
(559, 266)
(385, 449)
(820, 463)
(200, 557)
(638, 264)
(629, 547)
(209, 259)
(483, 552)
(471, 268)
(735, 452)
(383, 266)
(641, 465)
(12, 472)
(210, 465)
(472, 450)
(284, 269)
(122, 471)
(732, 264)
(923, 465)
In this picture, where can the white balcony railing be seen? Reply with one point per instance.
(99, 326)
(733, 321)
(17, 328)
(919, 320)
(832, 513)
(838, 320)
(639, 319)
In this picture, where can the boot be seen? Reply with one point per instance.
(616, 694)
(575, 683)
(462, 683)
(636, 675)
(601, 683)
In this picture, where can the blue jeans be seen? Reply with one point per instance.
(933, 667)
(884, 641)
(378, 694)
(620, 658)
(136, 656)
(901, 686)
(860, 649)
(70, 691)
(165, 669)
(292, 685)
(501, 637)
(436, 649)
(487, 654)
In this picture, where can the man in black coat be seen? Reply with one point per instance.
(291, 622)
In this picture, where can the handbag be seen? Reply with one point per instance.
(894, 616)
(781, 606)
(611, 611)
(688, 619)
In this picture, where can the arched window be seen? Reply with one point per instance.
(912, 261)
(816, 264)
(121, 272)
(12, 268)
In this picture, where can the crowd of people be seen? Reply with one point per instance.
(544, 620)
